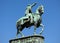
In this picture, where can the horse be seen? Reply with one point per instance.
(24, 22)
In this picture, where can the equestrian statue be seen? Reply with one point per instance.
(30, 19)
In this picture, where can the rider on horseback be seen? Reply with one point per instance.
(28, 12)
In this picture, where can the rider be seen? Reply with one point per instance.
(28, 12)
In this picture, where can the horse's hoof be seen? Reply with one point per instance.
(23, 36)
(40, 33)
(34, 34)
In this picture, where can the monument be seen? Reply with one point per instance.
(30, 19)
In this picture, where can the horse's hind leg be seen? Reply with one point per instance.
(19, 32)
(42, 28)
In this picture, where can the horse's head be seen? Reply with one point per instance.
(40, 10)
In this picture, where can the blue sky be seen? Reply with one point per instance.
(12, 10)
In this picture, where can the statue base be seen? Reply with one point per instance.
(28, 39)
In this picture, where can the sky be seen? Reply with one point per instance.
(12, 10)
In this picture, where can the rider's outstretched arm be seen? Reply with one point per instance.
(33, 4)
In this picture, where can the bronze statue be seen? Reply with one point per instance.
(31, 19)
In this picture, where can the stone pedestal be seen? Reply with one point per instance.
(28, 39)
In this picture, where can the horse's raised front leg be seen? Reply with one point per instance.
(42, 28)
